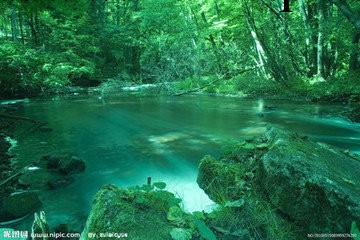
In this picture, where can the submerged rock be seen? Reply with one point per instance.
(66, 164)
(72, 165)
(52, 161)
(45, 129)
(60, 182)
(18, 205)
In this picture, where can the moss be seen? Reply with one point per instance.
(220, 180)
(142, 214)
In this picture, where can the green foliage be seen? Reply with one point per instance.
(204, 230)
(160, 185)
(231, 144)
(221, 181)
(180, 234)
(51, 44)
(176, 216)
(355, 231)
(18, 66)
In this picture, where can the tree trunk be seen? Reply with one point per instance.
(353, 17)
(320, 43)
(34, 34)
(354, 55)
(21, 28)
(262, 58)
(4, 25)
(13, 23)
(213, 44)
(117, 14)
(307, 34)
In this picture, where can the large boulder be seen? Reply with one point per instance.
(18, 205)
(315, 185)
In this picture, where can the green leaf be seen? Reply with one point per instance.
(147, 187)
(249, 146)
(204, 230)
(199, 215)
(355, 231)
(160, 185)
(249, 138)
(262, 146)
(176, 216)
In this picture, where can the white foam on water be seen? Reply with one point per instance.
(7, 102)
(192, 196)
(13, 142)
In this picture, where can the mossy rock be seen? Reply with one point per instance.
(19, 205)
(314, 184)
(220, 180)
(140, 214)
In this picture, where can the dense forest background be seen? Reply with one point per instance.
(244, 43)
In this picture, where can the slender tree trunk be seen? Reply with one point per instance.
(262, 58)
(354, 56)
(217, 11)
(117, 14)
(4, 25)
(213, 44)
(353, 17)
(34, 34)
(14, 23)
(307, 34)
(320, 43)
(21, 27)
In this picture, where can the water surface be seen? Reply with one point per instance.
(126, 139)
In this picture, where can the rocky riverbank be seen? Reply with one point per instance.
(19, 185)
(279, 186)
(14, 203)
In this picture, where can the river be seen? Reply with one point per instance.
(125, 139)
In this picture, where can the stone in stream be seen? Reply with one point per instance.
(66, 164)
(71, 165)
(314, 186)
(60, 182)
(45, 129)
(18, 205)
(52, 161)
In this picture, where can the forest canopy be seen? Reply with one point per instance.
(48, 44)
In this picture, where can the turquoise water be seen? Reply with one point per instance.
(125, 139)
